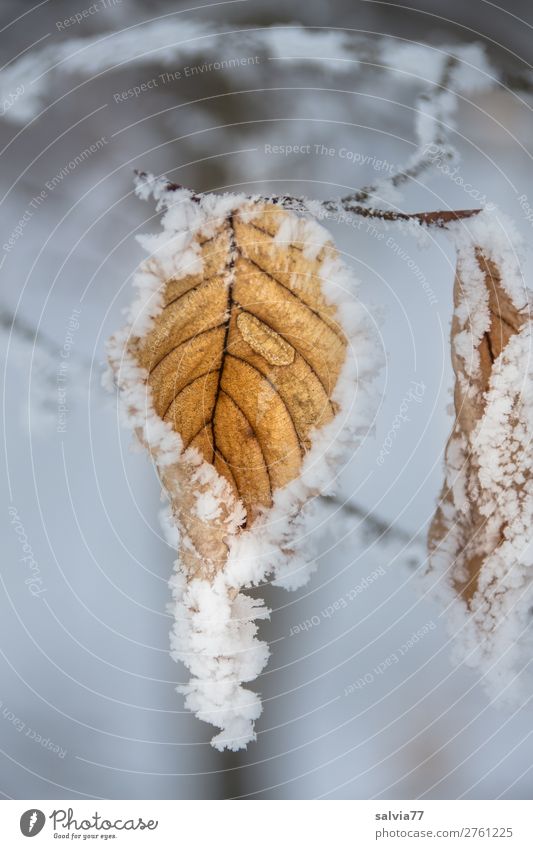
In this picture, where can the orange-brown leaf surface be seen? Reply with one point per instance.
(243, 358)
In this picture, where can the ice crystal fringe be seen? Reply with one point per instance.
(492, 631)
(215, 628)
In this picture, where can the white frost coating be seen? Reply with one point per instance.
(494, 634)
(473, 72)
(335, 49)
(496, 233)
(304, 233)
(169, 527)
(215, 623)
(214, 636)
(207, 506)
(136, 409)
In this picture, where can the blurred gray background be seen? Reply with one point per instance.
(88, 707)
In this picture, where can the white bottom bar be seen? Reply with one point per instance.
(269, 824)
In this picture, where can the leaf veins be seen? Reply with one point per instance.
(243, 359)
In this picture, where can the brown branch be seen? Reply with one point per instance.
(435, 218)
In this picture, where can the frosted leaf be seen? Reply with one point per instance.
(480, 537)
(249, 380)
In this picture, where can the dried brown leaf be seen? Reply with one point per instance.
(242, 361)
(461, 525)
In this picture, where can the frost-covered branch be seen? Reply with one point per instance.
(322, 209)
(448, 73)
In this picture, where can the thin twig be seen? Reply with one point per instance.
(22, 330)
(376, 526)
(435, 218)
